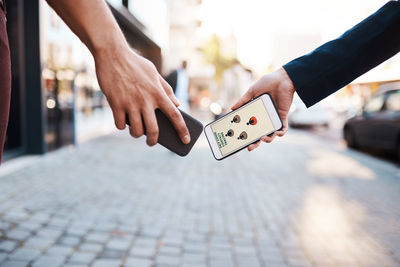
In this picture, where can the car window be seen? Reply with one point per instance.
(393, 101)
(374, 104)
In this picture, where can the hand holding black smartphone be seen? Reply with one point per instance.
(169, 138)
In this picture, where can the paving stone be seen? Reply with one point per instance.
(168, 250)
(16, 216)
(145, 242)
(118, 244)
(152, 233)
(25, 254)
(73, 231)
(297, 259)
(194, 237)
(138, 262)
(49, 233)
(275, 260)
(194, 265)
(105, 227)
(220, 254)
(248, 261)
(59, 251)
(194, 258)
(195, 248)
(168, 260)
(220, 246)
(18, 234)
(82, 257)
(4, 225)
(40, 218)
(106, 263)
(133, 229)
(112, 254)
(8, 245)
(221, 262)
(12, 263)
(38, 242)
(97, 237)
(3, 256)
(176, 242)
(245, 250)
(58, 223)
(146, 252)
(47, 261)
(69, 241)
(91, 247)
(30, 226)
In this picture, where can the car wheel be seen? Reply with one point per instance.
(350, 138)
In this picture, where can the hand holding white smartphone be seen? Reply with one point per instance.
(242, 127)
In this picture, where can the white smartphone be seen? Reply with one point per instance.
(242, 127)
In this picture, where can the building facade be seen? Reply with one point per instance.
(56, 100)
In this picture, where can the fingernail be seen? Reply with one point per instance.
(186, 139)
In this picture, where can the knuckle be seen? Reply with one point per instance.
(152, 131)
(175, 114)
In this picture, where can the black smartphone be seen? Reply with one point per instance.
(242, 127)
(169, 138)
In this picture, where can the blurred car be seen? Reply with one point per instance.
(378, 125)
(301, 116)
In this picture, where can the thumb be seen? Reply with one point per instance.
(244, 99)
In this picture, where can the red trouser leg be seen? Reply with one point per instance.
(5, 79)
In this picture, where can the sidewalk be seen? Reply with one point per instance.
(115, 202)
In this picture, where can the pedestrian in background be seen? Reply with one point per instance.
(179, 81)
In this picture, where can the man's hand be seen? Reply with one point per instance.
(281, 90)
(133, 86)
(131, 83)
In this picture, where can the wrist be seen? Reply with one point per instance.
(285, 80)
(110, 46)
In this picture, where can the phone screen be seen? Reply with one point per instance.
(242, 127)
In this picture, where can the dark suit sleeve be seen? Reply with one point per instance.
(338, 62)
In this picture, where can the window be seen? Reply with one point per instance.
(393, 101)
(374, 104)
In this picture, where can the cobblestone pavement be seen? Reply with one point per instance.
(300, 201)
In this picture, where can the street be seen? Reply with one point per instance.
(300, 201)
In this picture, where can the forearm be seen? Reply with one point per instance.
(337, 63)
(93, 22)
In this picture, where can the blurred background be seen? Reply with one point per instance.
(336, 198)
(227, 45)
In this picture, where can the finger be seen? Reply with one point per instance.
(170, 92)
(136, 129)
(253, 146)
(244, 99)
(282, 132)
(284, 129)
(119, 118)
(150, 122)
(177, 120)
(268, 139)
